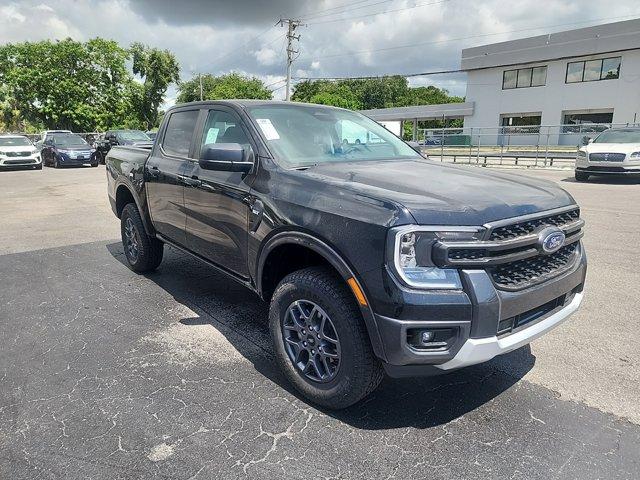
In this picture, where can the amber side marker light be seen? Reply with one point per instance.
(357, 291)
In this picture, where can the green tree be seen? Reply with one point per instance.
(232, 85)
(157, 69)
(370, 93)
(65, 84)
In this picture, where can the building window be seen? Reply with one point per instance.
(524, 77)
(526, 123)
(586, 122)
(593, 70)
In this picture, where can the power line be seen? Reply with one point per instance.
(378, 13)
(339, 7)
(413, 45)
(246, 44)
(312, 17)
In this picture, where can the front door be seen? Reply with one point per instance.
(164, 174)
(216, 202)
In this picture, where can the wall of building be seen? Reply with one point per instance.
(622, 95)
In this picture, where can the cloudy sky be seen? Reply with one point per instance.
(338, 37)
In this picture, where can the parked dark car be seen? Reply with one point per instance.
(373, 258)
(111, 138)
(67, 149)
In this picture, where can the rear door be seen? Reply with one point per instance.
(164, 174)
(217, 202)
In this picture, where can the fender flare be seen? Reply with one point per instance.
(146, 220)
(337, 261)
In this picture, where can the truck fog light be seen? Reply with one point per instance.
(432, 339)
(427, 336)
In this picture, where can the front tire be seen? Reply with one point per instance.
(320, 339)
(581, 176)
(143, 252)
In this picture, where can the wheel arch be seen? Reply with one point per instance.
(320, 249)
(123, 196)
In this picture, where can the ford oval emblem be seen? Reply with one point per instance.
(551, 239)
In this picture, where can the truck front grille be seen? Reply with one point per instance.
(527, 227)
(18, 154)
(520, 274)
(510, 251)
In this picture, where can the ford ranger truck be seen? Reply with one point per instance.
(373, 258)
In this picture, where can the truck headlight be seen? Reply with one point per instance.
(409, 255)
(635, 155)
(582, 154)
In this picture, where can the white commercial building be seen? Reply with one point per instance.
(572, 78)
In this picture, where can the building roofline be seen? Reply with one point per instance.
(596, 40)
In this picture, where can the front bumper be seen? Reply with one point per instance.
(15, 162)
(474, 315)
(64, 159)
(628, 166)
(610, 170)
(478, 350)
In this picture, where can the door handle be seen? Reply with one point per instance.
(190, 181)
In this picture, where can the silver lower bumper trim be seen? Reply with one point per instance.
(478, 350)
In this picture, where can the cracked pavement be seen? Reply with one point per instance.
(107, 374)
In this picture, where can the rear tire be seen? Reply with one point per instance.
(339, 372)
(143, 252)
(581, 176)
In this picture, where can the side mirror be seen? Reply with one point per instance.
(415, 146)
(226, 157)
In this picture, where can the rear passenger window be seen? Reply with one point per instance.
(177, 137)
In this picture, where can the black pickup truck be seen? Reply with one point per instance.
(373, 258)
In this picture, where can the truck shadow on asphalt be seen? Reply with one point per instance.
(241, 317)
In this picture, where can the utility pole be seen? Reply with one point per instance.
(291, 36)
(200, 80)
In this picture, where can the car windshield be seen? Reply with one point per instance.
(15, 142)
(619, 136)
(133, 136)
(69, 141)
(301, 135)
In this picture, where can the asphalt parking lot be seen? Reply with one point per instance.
(107, 374)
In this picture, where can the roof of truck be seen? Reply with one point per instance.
(250, 103)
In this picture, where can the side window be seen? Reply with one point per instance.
(223, 127)
(179, 132)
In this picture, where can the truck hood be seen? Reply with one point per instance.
(437, 194)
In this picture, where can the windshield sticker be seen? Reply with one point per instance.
(268, 129)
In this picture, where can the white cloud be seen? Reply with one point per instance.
(435, 34)
(43, 7)
(11, 13)
(266, 56)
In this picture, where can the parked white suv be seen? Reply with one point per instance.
(18, 151)
(615, 151)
